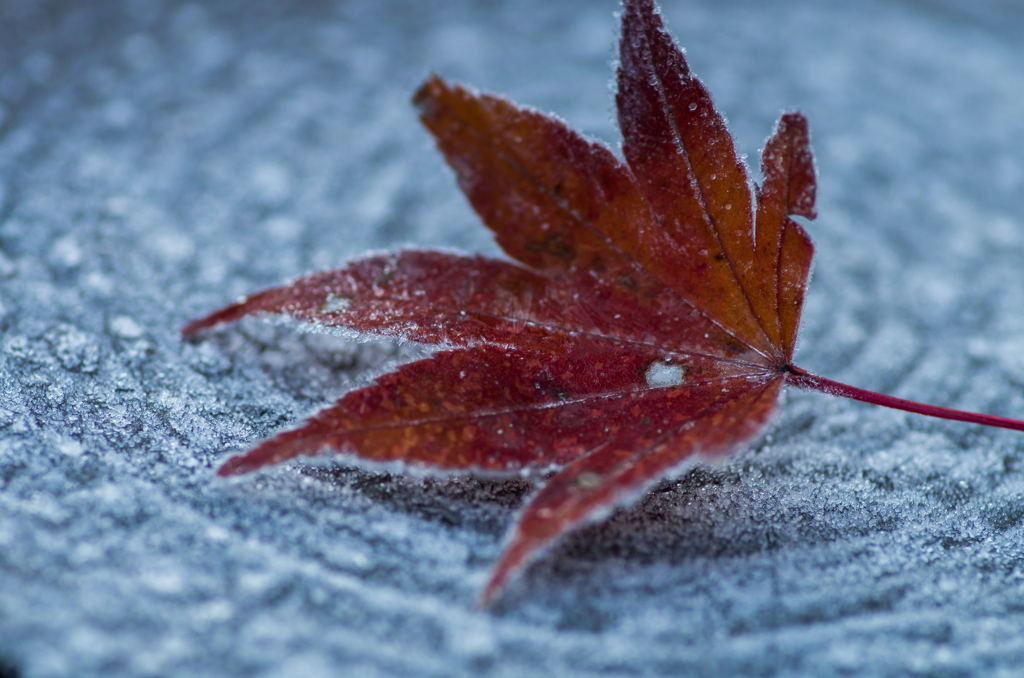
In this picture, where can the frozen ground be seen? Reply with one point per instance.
(158, 160)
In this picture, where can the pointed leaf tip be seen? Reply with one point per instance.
(233, 467)
(425, 96)
(802, 181)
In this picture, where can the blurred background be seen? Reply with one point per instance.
(158, 159)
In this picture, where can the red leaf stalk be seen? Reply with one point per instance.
(803, 379)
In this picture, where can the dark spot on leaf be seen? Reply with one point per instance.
(628, 282)
(554, 246)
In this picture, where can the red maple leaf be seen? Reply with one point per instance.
(650, 319)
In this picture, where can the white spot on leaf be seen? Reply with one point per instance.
(660, 375)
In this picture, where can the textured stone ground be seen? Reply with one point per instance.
(159, 159)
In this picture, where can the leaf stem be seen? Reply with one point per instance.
(803, 379)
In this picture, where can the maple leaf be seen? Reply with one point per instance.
(651, 317)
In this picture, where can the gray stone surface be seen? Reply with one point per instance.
(159, 159)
